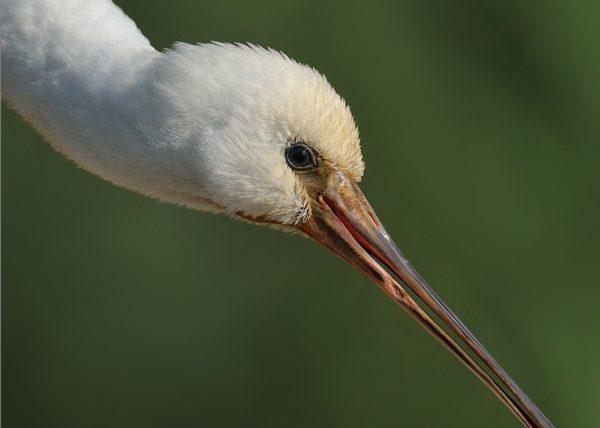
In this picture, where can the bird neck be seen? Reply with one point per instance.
(82, 74)
(56, 51)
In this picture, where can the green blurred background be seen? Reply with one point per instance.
(479, 122)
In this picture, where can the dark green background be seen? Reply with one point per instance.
(479, 122)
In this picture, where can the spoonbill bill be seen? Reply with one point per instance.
(228, 128)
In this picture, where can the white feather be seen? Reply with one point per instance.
(204, 126)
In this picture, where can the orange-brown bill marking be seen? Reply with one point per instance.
(343, 221)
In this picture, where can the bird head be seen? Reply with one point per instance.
(264, 132)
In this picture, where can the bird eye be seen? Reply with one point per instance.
(301, 157)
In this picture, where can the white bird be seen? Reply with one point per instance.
(234, 129)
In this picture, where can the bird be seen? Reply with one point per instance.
(234, 129)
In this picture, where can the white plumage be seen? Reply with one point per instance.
(203, 126)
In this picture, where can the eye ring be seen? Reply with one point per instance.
(300, 157)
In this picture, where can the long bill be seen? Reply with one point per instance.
(343, 221)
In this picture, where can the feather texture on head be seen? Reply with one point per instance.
(241, 107)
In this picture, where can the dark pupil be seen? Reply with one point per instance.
(299, 156)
